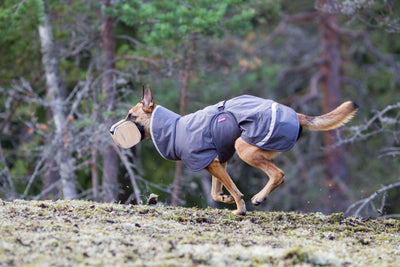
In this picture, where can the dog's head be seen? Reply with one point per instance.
(136, 125)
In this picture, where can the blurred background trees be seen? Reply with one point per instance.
(309, 55)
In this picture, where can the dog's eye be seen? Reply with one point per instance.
(131, 117)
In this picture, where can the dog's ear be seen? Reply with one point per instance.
(147, 99)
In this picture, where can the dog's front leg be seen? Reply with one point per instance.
(216, 190)
(217, 170)
(217, 194)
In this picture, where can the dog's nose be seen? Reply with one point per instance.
(112, 130)
(115, 126)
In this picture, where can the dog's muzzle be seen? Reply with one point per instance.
(125, 134)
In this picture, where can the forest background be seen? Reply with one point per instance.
(70, 69)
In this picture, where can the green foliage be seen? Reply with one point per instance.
(18, 40)
(162, 23)
(84, 123)
(382, 14)
(19, 169)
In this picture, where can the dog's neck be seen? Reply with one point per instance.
(144, 129)
(145, 125)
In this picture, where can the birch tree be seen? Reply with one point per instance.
(56, 103)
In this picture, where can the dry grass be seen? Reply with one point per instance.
(74, 233)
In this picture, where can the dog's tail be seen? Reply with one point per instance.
(331, 120)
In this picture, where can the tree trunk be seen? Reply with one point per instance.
(177, 183)
(55, 97)
(110, 157)
(95, 175)
(335, 166)
(182, 109)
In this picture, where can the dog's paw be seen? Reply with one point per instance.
(241, 208)
(256, 200)
(228, 199)
(239, 212)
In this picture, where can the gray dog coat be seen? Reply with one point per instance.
(199, 137)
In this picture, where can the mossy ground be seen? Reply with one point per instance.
(74, 233)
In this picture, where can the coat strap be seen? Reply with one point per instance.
(221, 105)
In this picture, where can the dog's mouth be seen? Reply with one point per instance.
(127, 134)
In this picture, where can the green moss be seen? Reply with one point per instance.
(87, 233)
(296, 256)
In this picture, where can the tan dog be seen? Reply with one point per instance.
(253, 154)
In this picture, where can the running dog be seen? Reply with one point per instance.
(257, 129)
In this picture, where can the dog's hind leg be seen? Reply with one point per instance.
(216, 190)
(217, 170)
(261, 159)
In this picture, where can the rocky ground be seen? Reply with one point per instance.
(76, 233)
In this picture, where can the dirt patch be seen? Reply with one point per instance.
(67, 233)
